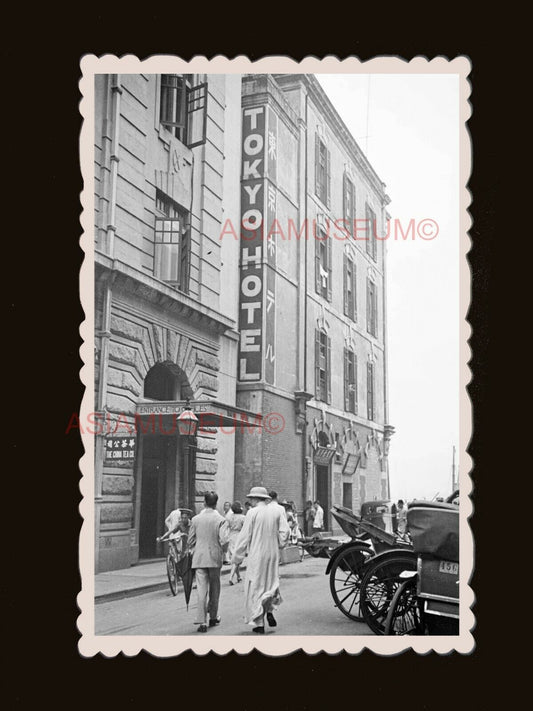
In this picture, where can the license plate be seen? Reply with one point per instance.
(447, 567)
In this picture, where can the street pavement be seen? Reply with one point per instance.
(307, 609)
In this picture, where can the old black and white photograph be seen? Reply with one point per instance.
(275, 352)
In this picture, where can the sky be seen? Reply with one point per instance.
(408, 127)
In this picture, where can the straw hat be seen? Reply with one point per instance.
(258, 492)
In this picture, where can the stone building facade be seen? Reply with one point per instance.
(312, 316)
(166, 167)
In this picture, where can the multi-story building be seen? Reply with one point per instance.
(235, 267)
(167, 167)
(312, 301)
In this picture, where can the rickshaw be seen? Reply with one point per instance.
(177, 555)
(427, 601)
(373, 540)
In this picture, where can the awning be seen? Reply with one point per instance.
(162, 416)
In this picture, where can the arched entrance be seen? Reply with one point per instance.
(165, 466)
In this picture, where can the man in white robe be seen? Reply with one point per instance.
(264, 532)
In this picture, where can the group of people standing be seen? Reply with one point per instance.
(314, 518)
(259, 534)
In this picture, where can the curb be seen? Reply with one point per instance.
(154, 587)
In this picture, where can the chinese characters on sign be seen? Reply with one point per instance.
(120, 448)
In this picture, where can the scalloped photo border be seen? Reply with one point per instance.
(91, 644)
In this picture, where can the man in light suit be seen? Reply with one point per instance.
(208, 540)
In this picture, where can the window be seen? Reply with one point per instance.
(322, 366)
(350, 381)
(173, 104)
(371, 308)
(362, 487)
(322, 171)
(183, 109)
(323, 263)
(349, 204)
(370, 390)
(350, 292)
(347, 494)
(172, 242)
(371, 232)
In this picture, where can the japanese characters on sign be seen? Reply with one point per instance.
(251, 266)
(120, 448)
(271, 248)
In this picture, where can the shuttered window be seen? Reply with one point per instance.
(371, 233)
(371, 308)
(350, 290)
(349, 205)
(323, 264)
(322, 171)
(322, 366)
(350, 381)
(370, 390)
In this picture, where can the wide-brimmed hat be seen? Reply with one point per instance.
(258, 492)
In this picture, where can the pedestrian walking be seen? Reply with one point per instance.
(208, 539)
(265, 531)
(318, 520)
(309, 515)
(401, 517)
(235, 527)
(228, 515)
(274, 502)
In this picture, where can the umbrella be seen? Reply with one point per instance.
(186, 574)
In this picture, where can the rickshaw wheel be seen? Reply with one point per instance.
(172, 574)
(345, 580)
(380, 581)
(404, 615)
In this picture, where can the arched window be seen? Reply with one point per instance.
(163, 382)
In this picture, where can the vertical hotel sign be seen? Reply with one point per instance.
(251, 264)
(271, 246)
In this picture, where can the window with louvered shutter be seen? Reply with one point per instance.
(329, 243)
(371, 232)
(322, 366)
(370, 390)
(350, 295)
(371, 308)
(323, 264)
(348, 205)
(322, 171)
(350, 381)
(328, 370)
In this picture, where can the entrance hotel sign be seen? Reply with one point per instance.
(251, 268)
(210, 414)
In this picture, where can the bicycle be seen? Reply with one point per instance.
(176, 549)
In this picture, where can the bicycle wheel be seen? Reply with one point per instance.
(172, 574)
(380, 581)
(404, 616)
(345, 580)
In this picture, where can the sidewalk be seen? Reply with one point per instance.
(136, 580)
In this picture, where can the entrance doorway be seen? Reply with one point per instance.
(158, 490)
(322, 491)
